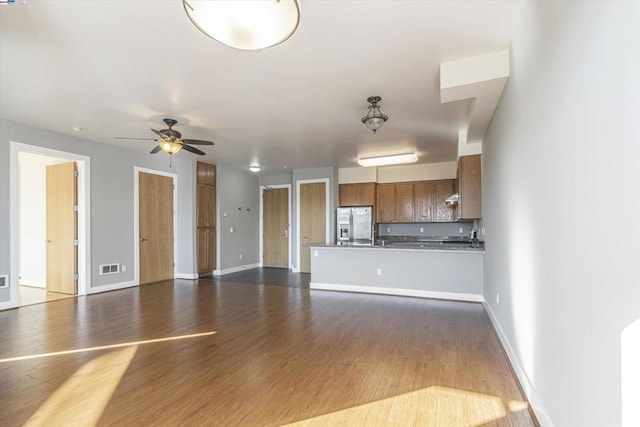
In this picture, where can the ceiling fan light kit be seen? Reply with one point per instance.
(171, 141)
(374, 118)
(245, 25)
(396, 159)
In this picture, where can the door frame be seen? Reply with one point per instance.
(136, 219)
(327, 217)
(84, 216)
(261, 227)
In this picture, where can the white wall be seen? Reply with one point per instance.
(562, 205)
(33, 217)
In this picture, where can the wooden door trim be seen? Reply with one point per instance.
(261, 226)
(136, 218)
(328, 215)
(84, 216)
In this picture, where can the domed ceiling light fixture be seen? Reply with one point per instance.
(246, 24)
(374, 118)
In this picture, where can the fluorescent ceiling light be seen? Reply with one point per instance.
(247, 24)
(396, 159)
(254, 168)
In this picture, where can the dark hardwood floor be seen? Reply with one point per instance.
(218, 352)
(266, 276)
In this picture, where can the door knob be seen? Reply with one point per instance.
(286, 233)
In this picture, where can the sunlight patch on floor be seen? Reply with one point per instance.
(432, 406)
(84, 396)
(105, 347)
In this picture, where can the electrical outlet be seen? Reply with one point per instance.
(460, 230)
(482, 231)
(498, 298)
(240, 256)
(388, 229)
(123, 268)
(422, 229)
(231, 230)
(378, 272)
(315, 253)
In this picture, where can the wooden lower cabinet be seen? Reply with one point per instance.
(206, 250)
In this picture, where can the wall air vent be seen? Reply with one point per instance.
(4, 281)
(109, 269)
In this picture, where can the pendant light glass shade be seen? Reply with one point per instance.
(245, 24)
(170, 146)
(374, 118)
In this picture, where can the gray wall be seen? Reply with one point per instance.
(314, 173)
(275, 179)
(448, 272)
(561, 204)
(112, 178)
(237, 195)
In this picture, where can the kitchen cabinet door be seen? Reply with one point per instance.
(206, 205)
(347, 194)
(386, 203)
(360, 194)
(365, 194)
(424, 201)
(470, 187)
(205, 173)
(405, 201)
(441, 211)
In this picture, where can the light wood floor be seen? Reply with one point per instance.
(34, 295)
(264, 356)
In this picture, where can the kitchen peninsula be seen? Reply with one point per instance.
(449, 272)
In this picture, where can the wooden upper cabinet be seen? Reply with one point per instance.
(405, 201)
(386, 203)
(424, 201)
(441, 210)
(205, 173)
(395, 202)
(361, 194)
(430, 201)
(469, 187)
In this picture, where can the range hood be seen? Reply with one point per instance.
(452, 199)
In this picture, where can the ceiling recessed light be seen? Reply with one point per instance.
(254, 168)
(76, 128)
(396, 159)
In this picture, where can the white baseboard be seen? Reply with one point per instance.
(189, 276)
(397, 291)
(111, 287)
(234, 269)
(295, 270)
(529, 390)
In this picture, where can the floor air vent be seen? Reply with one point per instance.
(109, 269)
(4, 281)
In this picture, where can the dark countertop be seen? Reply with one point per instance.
(411, 245)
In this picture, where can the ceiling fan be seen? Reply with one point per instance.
(171, 140)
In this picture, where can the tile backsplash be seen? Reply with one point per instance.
(428, 229)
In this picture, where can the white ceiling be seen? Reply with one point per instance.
(116, 68)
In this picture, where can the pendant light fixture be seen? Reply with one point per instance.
(246, 24)
(374, 118)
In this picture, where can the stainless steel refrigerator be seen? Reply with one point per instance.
(354, 225)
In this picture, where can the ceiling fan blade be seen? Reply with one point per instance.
(196, 142)
(155, 149)
(141, 139)
(192, 149)
(161, 135)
